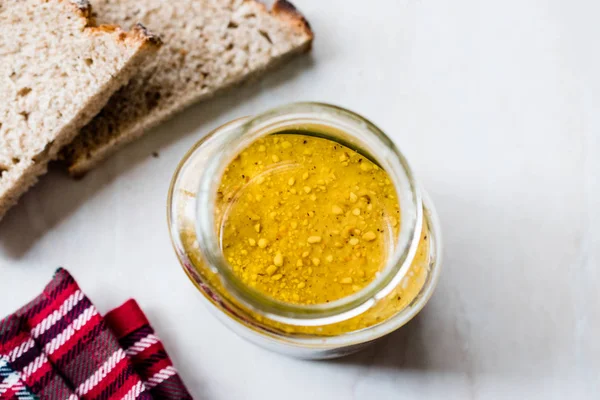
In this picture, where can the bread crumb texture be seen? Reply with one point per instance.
(209, 45)
(57, 70)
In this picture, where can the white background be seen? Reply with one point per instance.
(495, 103)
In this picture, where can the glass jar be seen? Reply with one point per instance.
(319, 331)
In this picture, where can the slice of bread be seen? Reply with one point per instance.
(57, 70)
(209, 45)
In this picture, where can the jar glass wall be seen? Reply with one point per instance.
(398, 293)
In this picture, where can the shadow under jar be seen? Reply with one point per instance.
(305, 230)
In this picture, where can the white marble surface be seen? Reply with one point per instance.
(496, 104)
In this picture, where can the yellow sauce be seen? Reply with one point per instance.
(306, 220)
(399, 298)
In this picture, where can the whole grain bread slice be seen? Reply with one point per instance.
(57, 70)
(209, 45)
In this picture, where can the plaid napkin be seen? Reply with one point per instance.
(146, 351)
(59, 347)
(24, 368)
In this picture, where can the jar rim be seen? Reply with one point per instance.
(241, 134)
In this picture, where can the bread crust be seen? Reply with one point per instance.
(288, 12)
(138, 35)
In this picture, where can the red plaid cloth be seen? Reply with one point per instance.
(145, 349)
(59, 347)
(27, 369)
